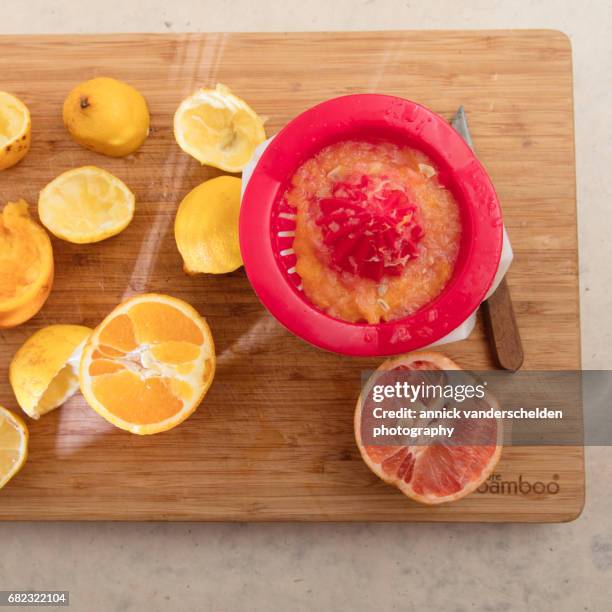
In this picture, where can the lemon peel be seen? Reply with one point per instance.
(44, 371)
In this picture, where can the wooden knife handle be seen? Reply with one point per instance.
(502, 328)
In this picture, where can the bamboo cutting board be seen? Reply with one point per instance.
(273, 439)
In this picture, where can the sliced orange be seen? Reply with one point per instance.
(149, 364)
(439, 471)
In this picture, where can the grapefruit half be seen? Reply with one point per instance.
(438, 471)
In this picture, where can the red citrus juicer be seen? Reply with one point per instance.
(267, 223)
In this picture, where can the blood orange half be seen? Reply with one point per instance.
(438, 471)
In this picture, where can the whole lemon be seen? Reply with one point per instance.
(107, 116)
(206, 227)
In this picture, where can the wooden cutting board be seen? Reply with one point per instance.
(273, 439)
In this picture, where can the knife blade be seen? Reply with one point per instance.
(497, 309)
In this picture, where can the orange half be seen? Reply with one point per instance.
(438, 472)
(26, 265)
(149, 364)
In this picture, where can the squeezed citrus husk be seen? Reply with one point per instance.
(218, 128)
(85, 205)
(13, 445)
(44, 373)
(15, 130)
(26, 265)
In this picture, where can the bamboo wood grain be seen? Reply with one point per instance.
(273, 439)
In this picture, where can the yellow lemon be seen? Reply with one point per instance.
(13, 445)
(44, 371)
(218, 128)
(206, 227)
(15, 130)
(26, 265)
(86, 205)
(107, 116)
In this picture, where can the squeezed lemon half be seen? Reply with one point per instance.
(15, 130)
(218, 128)
(44, 373)
(86, 205)
(13, 445)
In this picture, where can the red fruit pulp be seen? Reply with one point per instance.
(370, 227)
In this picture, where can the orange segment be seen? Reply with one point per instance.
(148, 365)
(142, 402)
(99, 367)
(159, 322)
(118, 333)
(176, 352)
(180, 389)
(186, 368)
(101, 352)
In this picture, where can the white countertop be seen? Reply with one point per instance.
(297, 567)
